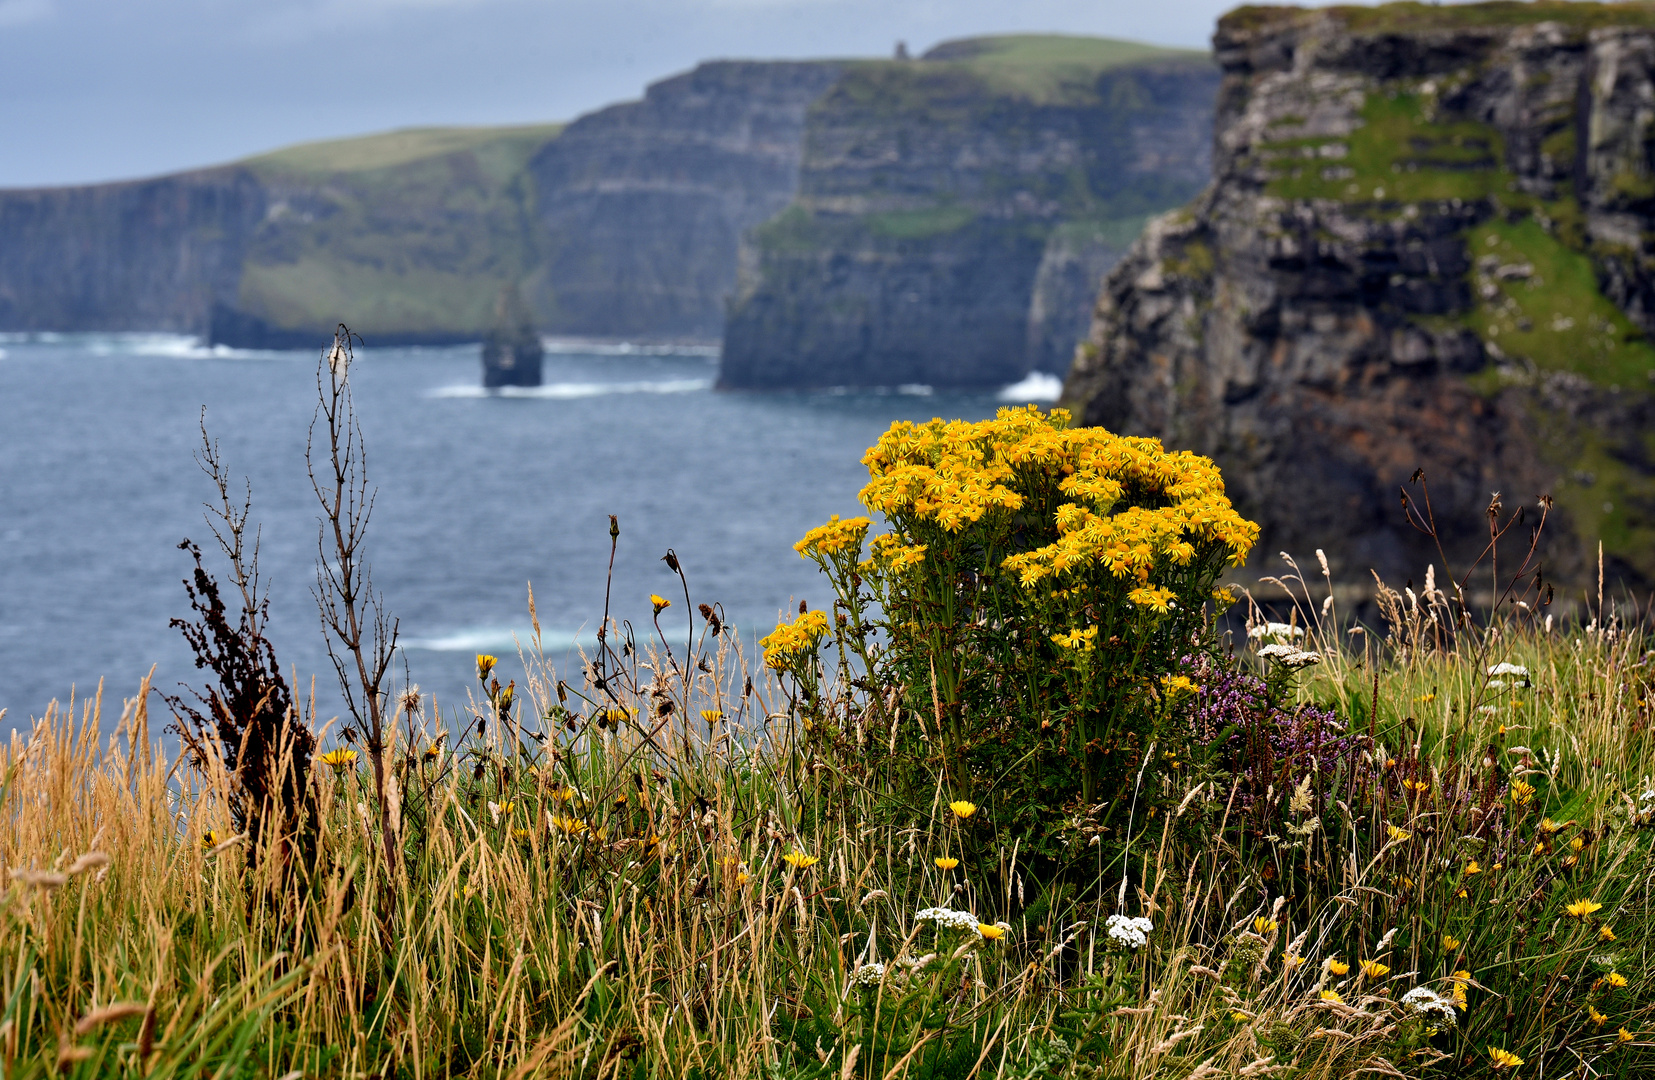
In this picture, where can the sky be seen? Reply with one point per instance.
(110, 89)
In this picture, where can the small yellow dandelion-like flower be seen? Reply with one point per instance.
(339, 759)
(659, 603)
(1462, 894)
(1570, 862)
(992, 933)
(1450, 942)
(799, 860)
(742, 877)
(210, 839)
(433, 752)
(1596, 1017)
(946, 863)
(962, 809)
(1338, 967)
(1503, 1059)
(1238, 1016)
(1606, 933)
(1177, 686)
(1577, 843)
(1472, 868)
(1426, 699)
(1333, 996)
(1396, 833)
(1522, 792)
(1582, 909)
(1550, 827)
(521, 833)
(568, 826)
(485, 664)
(711, 716)
(1289, 962)
(1263, 924)
(1623, 1036)
(1373, 969)
(1405, 883)
(1420, 786)
(1614, 980)
(1461, 978)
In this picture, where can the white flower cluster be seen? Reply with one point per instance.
(1289, 657)
(1275, 631)
(868, 975)
(1133, 933)
(947, 918)
(1423, 1001)
(1501, 669)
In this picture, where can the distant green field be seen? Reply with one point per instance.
(366, 153)
(1048, 67)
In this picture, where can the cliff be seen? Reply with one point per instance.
(640, 206)
(956, 213)
(1427, 244)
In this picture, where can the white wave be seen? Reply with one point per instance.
(581, 347)
(569, 390)
(498, 639)
(2, 354)
(1035, 386)
(915, 388)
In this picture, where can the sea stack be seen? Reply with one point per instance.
(511, 350)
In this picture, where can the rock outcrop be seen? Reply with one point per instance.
(1428, 244)
(955, 213)
(512, 351)
(640, 207)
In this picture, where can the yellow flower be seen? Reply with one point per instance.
(742, 877)
(1450, 942)
(521, 833)
(1373, 969)
(790, 640)
(568, 826)
(1472, 868)
(799, 860)
(711, 716)
(1238, 1016)
(1521, 792)
(1582, 909)
(1338, 967)
(962, 809)
(945, 863)
(1614, 980)
(1397, 834)
(1426, 699)
(992, 933)
(1421, 786)
(1332, 995)
(659, 603)
(1548, 826)
(1461, 979)
(1623, 1036)
(1577, 843)
(1263, 924)
(339, 759)
(1289, 962)
(833, 537)
(1605, 933)
(210, 839)
(1176, 686)
(1503, 1059)
(485, 664)
(1594, 1016)
(433, 751)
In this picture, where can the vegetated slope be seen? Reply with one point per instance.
(1427, 244)
(956, 213)
(640, 207)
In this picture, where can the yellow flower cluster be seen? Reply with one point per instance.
(789, 639)
(833, 537)
(893, 555)
(954, 474)
(1084, 640)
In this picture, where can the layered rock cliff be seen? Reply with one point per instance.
(640, 207)
(1428, 243)
(955, 213)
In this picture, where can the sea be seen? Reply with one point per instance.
(479, 498)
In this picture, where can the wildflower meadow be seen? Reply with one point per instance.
(1027, 791)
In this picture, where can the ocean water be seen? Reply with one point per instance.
(479, 496)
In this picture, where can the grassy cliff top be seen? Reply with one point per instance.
(1046, 67)
(367, 153)
(1419, 16)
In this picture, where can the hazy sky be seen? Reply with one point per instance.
(104, 89)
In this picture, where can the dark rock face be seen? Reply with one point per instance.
(1427, 244)
(640, 207)
(145, 255)
(949, 230)
(512, 353)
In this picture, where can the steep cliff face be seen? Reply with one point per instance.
(1428, 244)
(955, 212)
(146, 255)
(640, 207)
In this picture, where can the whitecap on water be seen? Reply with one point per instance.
(1035, 386)
(581, 347)
(568, 390)
(498, 639)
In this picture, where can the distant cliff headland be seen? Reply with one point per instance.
(944, 220)
(1428, 242)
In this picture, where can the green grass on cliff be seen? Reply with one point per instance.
(1417, 16)
(510, 147)
(1048, 68)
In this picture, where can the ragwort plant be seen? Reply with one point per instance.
(1029, 609)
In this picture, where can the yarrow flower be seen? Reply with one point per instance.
(948, 918)
(1131, 932)
(868, 975)
(1423, 1001)
(1275, 631)
(1289, 657)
